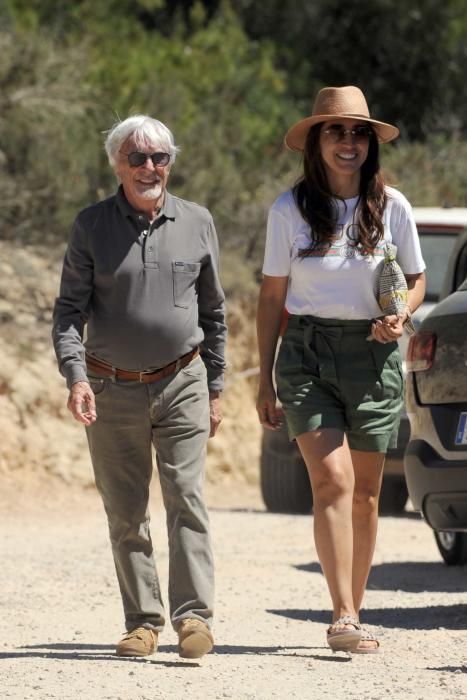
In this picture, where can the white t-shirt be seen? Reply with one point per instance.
(336, 281)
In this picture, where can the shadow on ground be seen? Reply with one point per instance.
(453, 617)
(87, 652)
(411, 576)
(100, 652)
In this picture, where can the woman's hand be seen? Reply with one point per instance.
(387, 329)
(270, 415)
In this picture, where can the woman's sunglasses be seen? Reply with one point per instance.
(337, 133)
(137, 158)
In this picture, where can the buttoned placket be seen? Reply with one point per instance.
(148, 240)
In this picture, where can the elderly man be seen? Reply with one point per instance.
(141, 273)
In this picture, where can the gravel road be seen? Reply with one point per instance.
(61, 612)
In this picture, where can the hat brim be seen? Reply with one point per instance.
(295, 138)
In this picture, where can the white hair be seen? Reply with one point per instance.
(145, 131)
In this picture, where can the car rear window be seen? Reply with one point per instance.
(436, 250)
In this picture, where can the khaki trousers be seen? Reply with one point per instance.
(173, 415)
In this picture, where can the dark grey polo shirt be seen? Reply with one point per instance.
(147, 294)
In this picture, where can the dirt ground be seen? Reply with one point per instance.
(61, 612)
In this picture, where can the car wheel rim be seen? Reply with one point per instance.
(447, 539)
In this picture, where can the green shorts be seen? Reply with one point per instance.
(329, 375)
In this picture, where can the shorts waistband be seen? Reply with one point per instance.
(345, 325)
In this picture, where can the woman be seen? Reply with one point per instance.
(338, 372)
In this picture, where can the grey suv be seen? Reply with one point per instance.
(285, 486)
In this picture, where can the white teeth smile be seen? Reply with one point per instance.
(347, 156)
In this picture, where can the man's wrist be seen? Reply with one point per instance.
(214, 394)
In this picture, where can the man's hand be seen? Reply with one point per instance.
(82, 404)
(215, 411)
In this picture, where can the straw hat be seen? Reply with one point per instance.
(334, 102)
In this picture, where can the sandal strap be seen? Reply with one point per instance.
(345, 620)
(368, 636)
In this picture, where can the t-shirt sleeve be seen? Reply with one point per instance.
(277, 252)
(405, 236)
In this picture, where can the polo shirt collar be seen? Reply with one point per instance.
(168, 208)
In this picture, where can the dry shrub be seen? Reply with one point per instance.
(234, 452)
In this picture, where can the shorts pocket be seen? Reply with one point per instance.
(388, 365)
(185, 276)
(289, 366)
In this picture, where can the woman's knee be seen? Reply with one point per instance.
(365, 498)
(331, 487)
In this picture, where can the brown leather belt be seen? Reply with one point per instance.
(104, 369)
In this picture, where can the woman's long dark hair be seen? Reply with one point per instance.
(315, 200)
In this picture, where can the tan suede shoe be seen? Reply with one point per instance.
(138, 642)
(194, 639)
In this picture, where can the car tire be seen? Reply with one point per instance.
(285, 485)
(452, 547)
(393, 496)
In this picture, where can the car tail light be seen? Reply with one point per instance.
(421, 352)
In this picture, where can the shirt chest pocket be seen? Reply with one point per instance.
(185, 276)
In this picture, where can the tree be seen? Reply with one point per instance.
(46, 146)
(409, 56)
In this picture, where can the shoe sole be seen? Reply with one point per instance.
(194, 646)
(135, 653)
(368, 650)
(345, 641)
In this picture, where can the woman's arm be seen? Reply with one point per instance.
(417, 287)
(268, 321)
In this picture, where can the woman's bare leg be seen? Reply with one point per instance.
(328, 459)
(368, 470)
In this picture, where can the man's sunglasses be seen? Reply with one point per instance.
(137, 158)
(336, 133)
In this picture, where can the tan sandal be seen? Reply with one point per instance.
(341, 638)
(367, 637)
